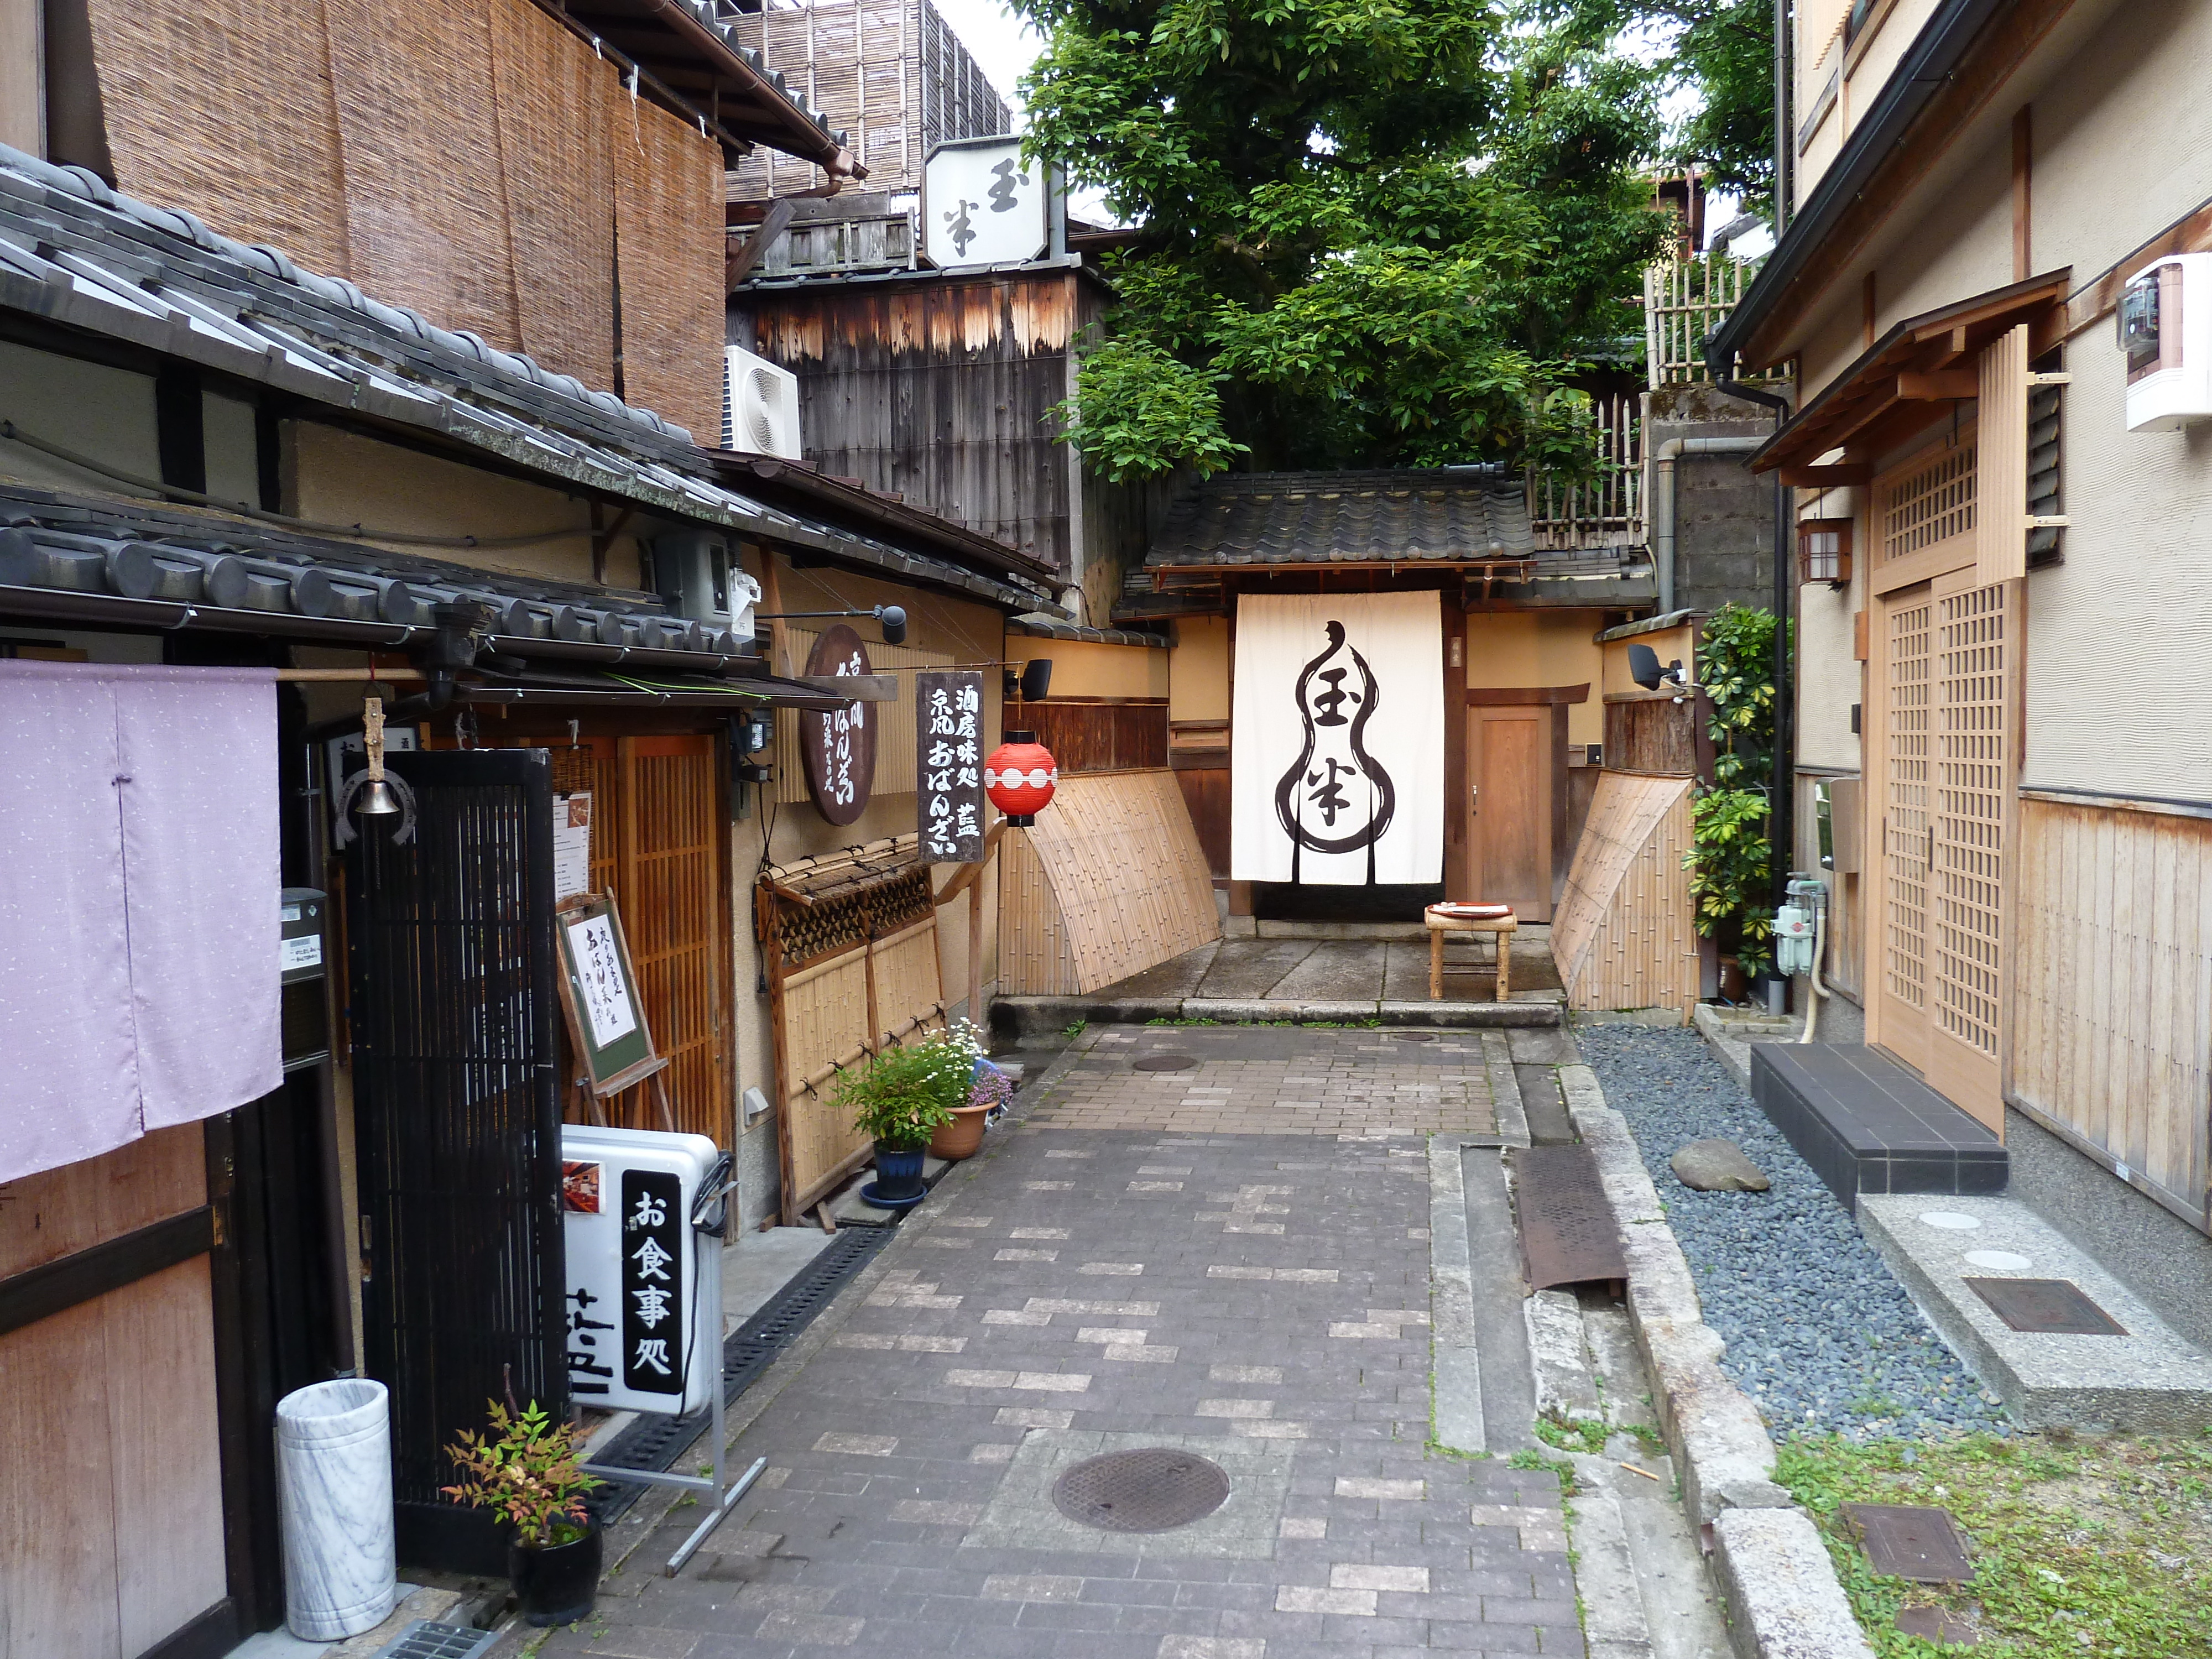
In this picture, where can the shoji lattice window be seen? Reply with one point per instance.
(1904, 821)
(1968, 843)
(1927, 500)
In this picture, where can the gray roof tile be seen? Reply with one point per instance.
(1446, 514)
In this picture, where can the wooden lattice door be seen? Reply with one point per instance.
(656, 847)
(1974, 639)
(1904, 667)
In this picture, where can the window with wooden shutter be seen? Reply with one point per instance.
(2001, 487)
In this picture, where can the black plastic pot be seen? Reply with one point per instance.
(897, 1185)
(556, 1584)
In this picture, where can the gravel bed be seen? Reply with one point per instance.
(1820, 1334)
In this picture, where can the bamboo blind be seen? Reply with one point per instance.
(895, 730)
(263, 167)
(425, 210)
(1125, 886)
(1625, 935)
(668, 256)
(556, 109)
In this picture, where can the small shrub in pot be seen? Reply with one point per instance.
(528, 1469)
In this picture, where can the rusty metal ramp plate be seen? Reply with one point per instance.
(1152, 1489)
(1907, 1541)
(2051, 1307)
(1567, 1230)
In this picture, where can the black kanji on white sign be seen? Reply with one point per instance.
(653, 1324)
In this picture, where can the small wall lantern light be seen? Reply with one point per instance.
(1824, 551)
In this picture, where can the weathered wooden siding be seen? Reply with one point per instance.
(2111, 1026)
(1098, 736)
(1650, 731)
(1625, 934)
(940, 390)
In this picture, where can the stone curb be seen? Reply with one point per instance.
(1030, 1014)
(1730, 1040)
(1784, 1602)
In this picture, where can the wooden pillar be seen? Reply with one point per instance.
(1458, 883)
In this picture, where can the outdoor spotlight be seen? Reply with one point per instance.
(893, 618)
(1643, 668)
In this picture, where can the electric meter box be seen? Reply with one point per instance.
(697, 574)
(643, 1314)
(2166, 331)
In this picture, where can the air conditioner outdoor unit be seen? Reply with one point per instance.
(760, 405)
(697, 574)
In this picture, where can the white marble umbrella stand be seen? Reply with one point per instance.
(334, 1494)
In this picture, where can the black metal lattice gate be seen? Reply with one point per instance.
(457, 1122)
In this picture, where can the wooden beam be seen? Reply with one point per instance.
(2023, 152)
(969, 874)
(1867, 310)
(2100, 296)
(603, 540)
(1948, 384)
(1827, 477)
(853, 688)
(738, 263)
(1521, 697)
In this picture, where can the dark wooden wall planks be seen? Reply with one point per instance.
(1096, 737)
(1655, 733)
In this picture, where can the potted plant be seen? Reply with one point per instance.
(898, 1100)
(529, 1470)
(988, 1091)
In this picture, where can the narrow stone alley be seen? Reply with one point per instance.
(1230, 1257)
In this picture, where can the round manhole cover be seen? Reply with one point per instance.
(1167, 1063)
(1415, 1037)
(1154, 1489)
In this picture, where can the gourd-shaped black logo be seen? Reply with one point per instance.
(1337, 798)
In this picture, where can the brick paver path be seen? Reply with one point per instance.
(1260, 1298)
(1271, 1080)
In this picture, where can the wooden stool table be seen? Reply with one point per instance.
(1500, 927)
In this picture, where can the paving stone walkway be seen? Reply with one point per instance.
(1270, 1080)
(1260, 1298)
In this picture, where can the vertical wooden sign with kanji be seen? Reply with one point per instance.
(949, 765)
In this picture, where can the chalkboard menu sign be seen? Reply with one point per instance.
(949, 763)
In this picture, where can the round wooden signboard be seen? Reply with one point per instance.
(840, 748)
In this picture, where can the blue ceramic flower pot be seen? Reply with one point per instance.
(897, 1185)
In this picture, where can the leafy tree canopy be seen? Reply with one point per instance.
(1378, 233)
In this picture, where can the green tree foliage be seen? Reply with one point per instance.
(1376, 232)
(1730, 859)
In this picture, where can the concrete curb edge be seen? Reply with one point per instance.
(1784, 1601)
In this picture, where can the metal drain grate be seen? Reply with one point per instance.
(655, 1442)
(1166, 1063)
(1567, 1230)
(426, 1639)
(1154, 1489)
(2052, 1307)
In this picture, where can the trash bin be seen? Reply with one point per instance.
(334, 1493)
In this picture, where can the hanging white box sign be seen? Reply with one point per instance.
(982, 204)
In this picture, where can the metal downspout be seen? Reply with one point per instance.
(1662, 503)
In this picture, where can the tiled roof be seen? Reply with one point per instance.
(76, 253)
(1039, 627)
(1449, 515)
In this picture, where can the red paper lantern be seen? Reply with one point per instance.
(1020, 777)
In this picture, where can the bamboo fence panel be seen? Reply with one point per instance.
(1685, 300)
(1035, 956)
(558, 173)
(261, 165)
(669, 248)
(1625, 934)
(1605, 508)
(425, 198)
(2112, 1023)
(1125, 885)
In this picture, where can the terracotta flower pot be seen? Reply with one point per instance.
(962, 1136)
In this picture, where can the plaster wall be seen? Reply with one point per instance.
(105, 413)
(1083, 670)
(344, 477)
(1198, 670)
(1515, 649)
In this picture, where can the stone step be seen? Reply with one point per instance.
(1866, 1125)
(1018, 1016)
(2149, 1381)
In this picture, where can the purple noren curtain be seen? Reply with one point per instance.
(138, 895)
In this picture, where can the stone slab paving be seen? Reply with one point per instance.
(1271, 1080)
(1348, 969)
(1260, 1299)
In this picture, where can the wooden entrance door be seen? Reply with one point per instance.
(1945, 666)
(1510, 828)
(1976, 641)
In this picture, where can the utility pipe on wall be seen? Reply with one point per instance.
(1663, 501)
